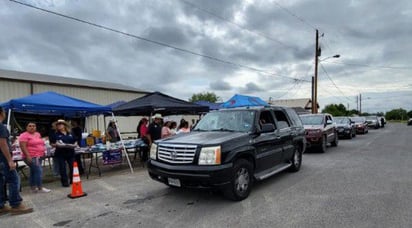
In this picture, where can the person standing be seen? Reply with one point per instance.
(77, 133)
(155, 129)
(166, 132)
(142, 128)
(32, 146)
(52, 135)
(183, 128)
(173, 126)
(64, 142)
(8, 174)
(112, 132)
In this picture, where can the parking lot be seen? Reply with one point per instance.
(364, 182)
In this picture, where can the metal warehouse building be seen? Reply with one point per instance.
(15, 84)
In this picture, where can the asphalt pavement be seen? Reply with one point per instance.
(364, 182)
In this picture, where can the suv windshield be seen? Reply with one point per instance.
(233, 120)
(312, 119)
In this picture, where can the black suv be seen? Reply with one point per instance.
(229, 149)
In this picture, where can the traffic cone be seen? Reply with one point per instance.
(76, 184)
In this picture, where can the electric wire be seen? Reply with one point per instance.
(157, 42)
(327, 74)
(261, 34)
(294, 15)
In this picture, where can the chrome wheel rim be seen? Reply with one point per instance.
(242, 180)
(296, 158)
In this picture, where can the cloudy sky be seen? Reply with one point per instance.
(260, 48)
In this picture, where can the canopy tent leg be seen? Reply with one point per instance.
(121, 140)
(8, 120)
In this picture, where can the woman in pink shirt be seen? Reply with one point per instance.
(32, 146)
(166, 132)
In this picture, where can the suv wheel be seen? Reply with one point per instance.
(335, 141)
(241, 182)
(323, 145)
(296, 160)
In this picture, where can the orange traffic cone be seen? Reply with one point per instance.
(77, 184)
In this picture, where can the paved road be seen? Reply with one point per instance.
(364, 182)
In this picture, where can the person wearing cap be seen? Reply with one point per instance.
(155, 128)
(8, 174)
(64, 142)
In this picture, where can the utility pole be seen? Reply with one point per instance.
(360, 103)
(315, 83)
(357, 103)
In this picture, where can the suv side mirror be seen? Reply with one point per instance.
(267, 127)
(328, 122)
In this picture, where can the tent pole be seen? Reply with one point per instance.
(8, 120)
(121, 140)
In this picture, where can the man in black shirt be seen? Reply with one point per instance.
(155, 129)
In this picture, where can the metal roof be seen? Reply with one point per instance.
(302, 102)
(59, 80)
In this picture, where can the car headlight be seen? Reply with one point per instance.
(210, 156)
(153, 151)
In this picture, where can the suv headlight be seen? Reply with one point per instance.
(153, 151)
(210, 156)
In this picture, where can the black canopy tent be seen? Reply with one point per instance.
(157, 102)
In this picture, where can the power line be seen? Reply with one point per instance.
(324, 70)
(158, 42)
(236, 24)
(294, 15)
(289, 90)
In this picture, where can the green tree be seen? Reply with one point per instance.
(205, 96)
(410, 114)
(397, 114)
(353, 112)
(335, 110)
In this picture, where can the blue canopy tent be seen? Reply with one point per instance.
(55, 104)
(52, 103)
(243, 101)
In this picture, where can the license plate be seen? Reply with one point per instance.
(174, 182)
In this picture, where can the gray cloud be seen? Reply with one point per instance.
(220, 86)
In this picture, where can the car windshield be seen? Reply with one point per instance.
(371, 117)
(341, 120)
(312, 119)
(231, 120)
(358, 119)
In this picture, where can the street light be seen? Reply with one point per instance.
(315, 78)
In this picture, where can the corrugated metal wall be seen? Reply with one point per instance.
(10, 90)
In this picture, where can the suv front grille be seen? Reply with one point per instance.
(176, 153)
